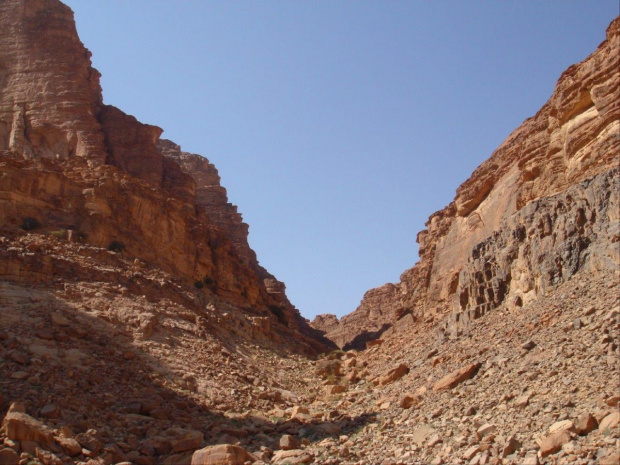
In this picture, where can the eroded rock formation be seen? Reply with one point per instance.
(91, 173)
(572, 138)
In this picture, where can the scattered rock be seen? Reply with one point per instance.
(613, 458)
(421, 435)
(186, 440)
(409, 400)
(612, 401)
(512, 445)
(49, 411)
(469, 453)
(70, 446)
(610, 421)
(224, 454)
(564, 425)
(393, 374)
(291, 457)
(8, 457)
(89, 440)
(456, 377)
(529, 345)
(288, 442)
(22, 427)
(585, 424)
(554, 442)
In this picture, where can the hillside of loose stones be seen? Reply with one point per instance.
(141, 379)
(501, 346)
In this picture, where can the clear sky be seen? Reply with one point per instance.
(337, 126)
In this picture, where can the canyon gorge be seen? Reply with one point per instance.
(137, 325)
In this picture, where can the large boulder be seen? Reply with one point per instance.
(224, 454)
(19, 426)
(457, 377)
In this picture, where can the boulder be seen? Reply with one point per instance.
(288, 442)
(187, 440)
(585, 424)
(610, 421)
(223, 454)
(19, 426)
(291, 457)
(393, 375)
(457, 377)
(554, 442)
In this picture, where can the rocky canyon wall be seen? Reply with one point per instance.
(90, 173)
(574, 137)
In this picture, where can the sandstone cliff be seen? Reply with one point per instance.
(136, 325)
(90, 173)
(572, 138)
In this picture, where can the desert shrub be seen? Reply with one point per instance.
(59, 234)
(199, 284)
(116, 247)
(29, 223)
(208, 281)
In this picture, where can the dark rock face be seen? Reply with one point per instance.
(211, 197)
(544, 244)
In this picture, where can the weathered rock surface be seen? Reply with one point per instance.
(225, 454)
(211, 196)
(572, 138)
(175, 344)
(19, 426)
(91, 174)
(456, 377)
(50, 93)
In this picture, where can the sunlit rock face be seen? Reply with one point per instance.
(74, 164)
(572, 138)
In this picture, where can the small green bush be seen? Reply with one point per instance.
(59, 234)
(29, 223)
(199, 284)
(116, 247)
(208, 281)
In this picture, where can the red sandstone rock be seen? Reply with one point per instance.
(392, 375)
(554, 442)
(93, 174)
(456, 377)
(19, 426)
(571, 139)
(224, 454)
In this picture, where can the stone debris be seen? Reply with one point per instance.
(456, 377)
(224, 454)
(138, 328)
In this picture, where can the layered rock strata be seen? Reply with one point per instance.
(545, 243)
(90, 173)
(572, 138)
(211, 197)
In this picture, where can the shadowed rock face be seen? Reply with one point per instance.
(211, 197)
(572, 138)
(99, 176)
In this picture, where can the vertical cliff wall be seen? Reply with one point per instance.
(50, 93)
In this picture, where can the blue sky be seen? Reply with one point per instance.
(337, 126)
